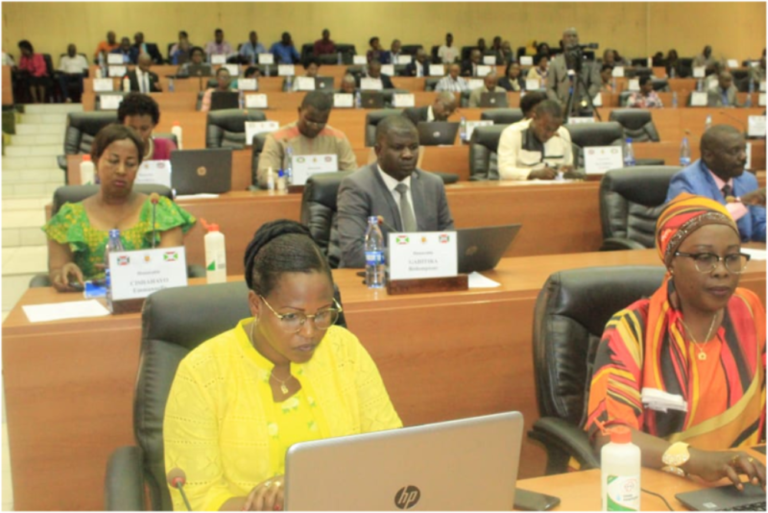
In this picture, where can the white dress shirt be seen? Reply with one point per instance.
(143, 79)
(76, 64)
(430, 115)
(391, 183)
(447, 54)
(516, 162)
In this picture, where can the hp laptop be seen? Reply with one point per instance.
(324, 83)
(460, 465)
(725, 498)
(493, 100)
(480, 249)
(225, 100)
(201, 171)
(437, 133)
(372, 99)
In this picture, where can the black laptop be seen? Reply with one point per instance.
(324, 83)
(200, 70)
(480, 249)
(437, 133)
(225, 100)
(372, 99)
(725, 498)
(201, 171)
(493, 100)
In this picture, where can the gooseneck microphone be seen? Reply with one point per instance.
(154, 198)
(177, 479)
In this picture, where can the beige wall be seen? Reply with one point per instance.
(734, 29)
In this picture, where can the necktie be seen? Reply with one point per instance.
(406, 212)
(727, 190)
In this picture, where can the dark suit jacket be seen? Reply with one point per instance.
(410, 69)
(386, 82)
(152, 51)
(558, 82)
(154, 82)
(466, 68)
(506, 83)
(416, 114)
(365, 194)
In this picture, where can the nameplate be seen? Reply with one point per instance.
(370, 84)
(471, 125)
(343, 100)
(305, 83)
(580, 119)
(618, 72)
(256, 101)
(761, 100)
(388, 69)
(359, 60)
(218, 59)
(699, 72)
(762, 86)
(526, 60)
(110, 101)
(234, 69)
(482, 70)
(137, 274)
(257, 127)
(266, 58)
(404, 59)
(420, 255)
(247, 84)
(633, 85)
(286, 70)
(154, 172)
(598, 100)
(532, 84)
(756, 126)
(436, 70)
(698, 99)
(103, 85)
(403, 100)
(305, 166)
(599, 159)
(115, 58)
(733, 63)
(117, 71)
(489, 60)
(475, 83)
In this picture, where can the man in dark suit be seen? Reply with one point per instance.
(148, 48)
(441, 109)
(469, 67)
(420, 66)
(558, 83)
(723, 94)
(374, 72)
(130, 54)
(408, 199)
(142, 79)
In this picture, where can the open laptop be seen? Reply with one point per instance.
(225, 100)
(200, 70)
(437, 133)
(372, 99)
(460, 465)
(201, 171)
(324, 83)
(480, 249)
(493, 100)
(725, 498)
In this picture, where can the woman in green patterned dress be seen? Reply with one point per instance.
(78, 233)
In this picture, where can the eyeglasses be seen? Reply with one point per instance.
(708, 262)
(293, 322)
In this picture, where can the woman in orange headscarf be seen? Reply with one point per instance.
(685, 369)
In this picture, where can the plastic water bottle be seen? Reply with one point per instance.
(102, 65)
(97, 73)
(620, 472)
(674, 99)
(685, 153)
(708, 122)
(338, 58)
(171, 86)
(126, 85)
(289, 165)
(374, 255)
(114, 244)
(614, 85)
(748, 101)
(463, 130)
(267, 71)
(671, 72)
(629, 153)
(289, 84)
(700, 85)
(87, 170)
(176, 130)
(751, 86)
(241, 99)
(215, 255)
(358, 100)
(270, 180)
(281, 187)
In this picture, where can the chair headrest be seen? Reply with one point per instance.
(323, 187)
(488, 136)
(77, 193)
(502, 116)
(631, 118)
(233, 120)
(374, 117)
(91, 122)
(595, 134)
(646, 185)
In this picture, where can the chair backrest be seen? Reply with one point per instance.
(226, 128)
(570, 315)
(502, 116)
(660, 85)
(318, 212)
(430, 83)
(631, 200)
(257, 146)
(636, 124)
(464, 99)
(77, 193)
(306, 51)
(584, 135)
(686, 67)
(410, 49)
(166, 338)
(372, 120)
(484, 152)
(465, 51)
(624, 98)
(347, 52)
(638, 72)
(433, 54)
(82, 128)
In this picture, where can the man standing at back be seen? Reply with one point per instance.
(558, 81)
(324, 46)
(448, 53)
(218, 46)
(249, 51)
(310, 135)
(719, 175)
(284, 51)
(106, 47)
(408, 199)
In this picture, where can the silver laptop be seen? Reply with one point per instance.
(324, 83)
(460, 465)
(493, 100)
(437, 133)
(480, 249)
(201, 171)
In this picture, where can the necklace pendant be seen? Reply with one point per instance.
(702, 356)
(284, 389)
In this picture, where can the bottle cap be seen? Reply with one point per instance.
(280, 173)
(620, 435)
(176, 123)
(86, 157)
(629, 140)
(213, 228)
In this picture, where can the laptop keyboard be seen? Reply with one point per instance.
(755, 506)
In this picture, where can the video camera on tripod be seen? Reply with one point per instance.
(574, 55)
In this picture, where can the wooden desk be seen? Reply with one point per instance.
(69, 384)
(7, 86)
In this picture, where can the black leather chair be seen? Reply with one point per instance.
(570, 315)
(226, 128)
(636, 124)
(660, 85)
(624, 98)
(306, 51)
(410, 49)
(257, 146)
(584, 135)
(318, 212)
(686, 67)
(347, 52)
(631, 200)
(484, 152)
(82, 128)
(638, 72)
(433, 54)
(166, 338)
(502, 116)
(431, 82)
(372, 120)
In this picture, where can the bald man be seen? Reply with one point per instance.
(558, 83)
(452, 82)
(723, 94)
(720, 175)
(142, 79)
(441, 109)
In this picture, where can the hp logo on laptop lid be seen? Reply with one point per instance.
(407, 497)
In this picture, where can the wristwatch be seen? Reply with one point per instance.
(674, 457)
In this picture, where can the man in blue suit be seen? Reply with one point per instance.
(719, 175)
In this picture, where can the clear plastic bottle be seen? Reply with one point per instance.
(374, 255)
(463, 130)
(338, 58)
(171, 85)
(280, 184)
(114, 244)
(358, 100)
(240, 99)
(126, 85)
(87, 170)
(708, 122)
(685, 153)
(289, 84)
(674, 99)
(215, 255)
(288, 165)
(620, 472)
(629, 153)
(270, 180)
(614, 85)
(671, 72)
(176, 130)
(748, 101)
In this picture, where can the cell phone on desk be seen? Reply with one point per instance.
(534, 501)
